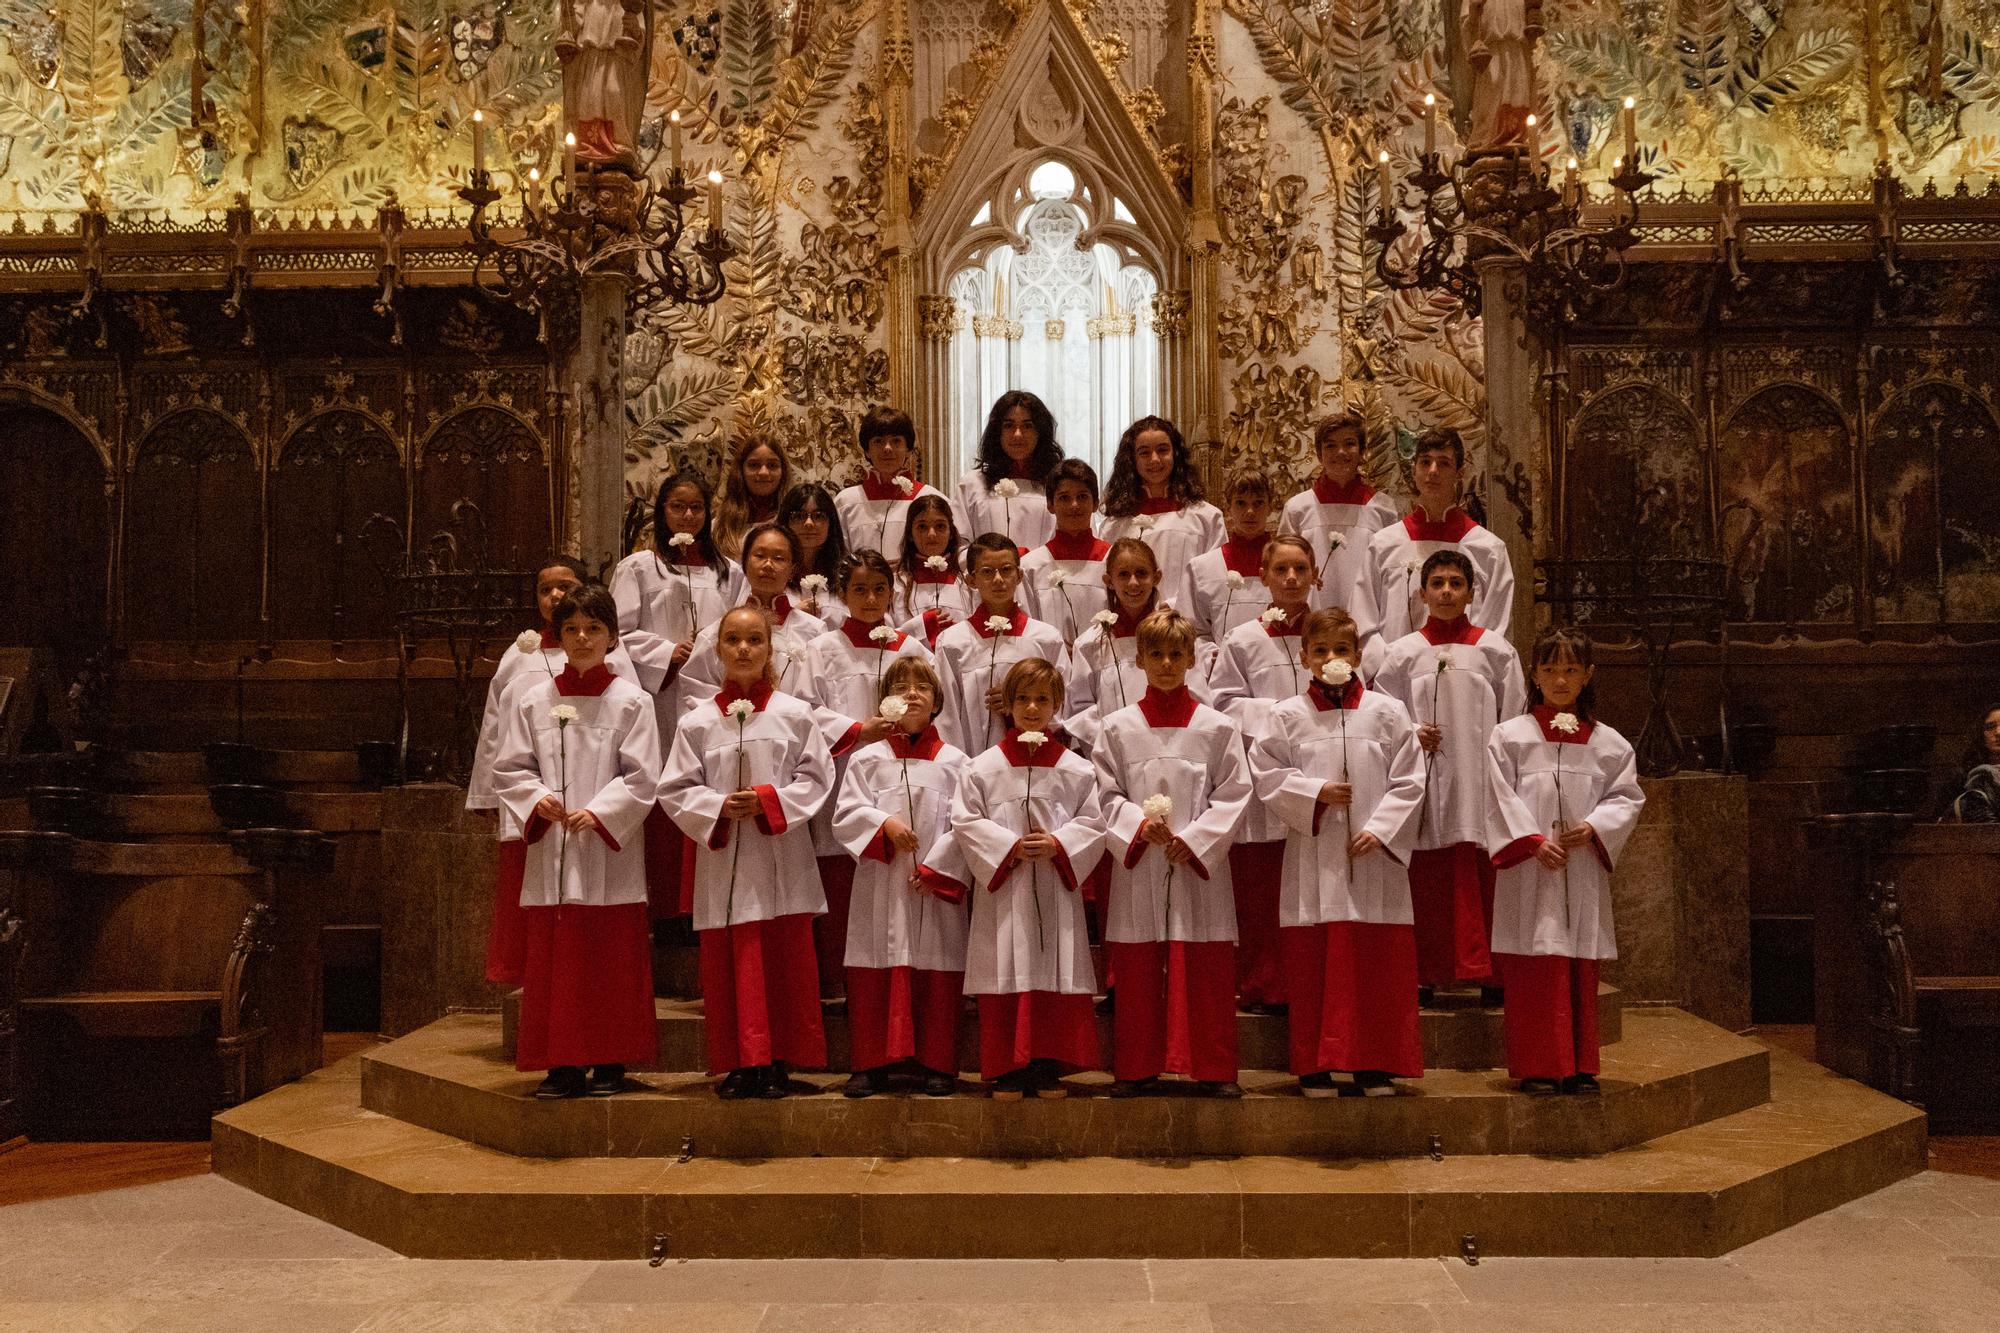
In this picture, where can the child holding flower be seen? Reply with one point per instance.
(1339, 514)
(905, 941)
(930, 597)
(1566, 796)
(1059, 580)
(874, 512)
(809, 512)
(748, 770)
(1026, 819)
(1228, 582)
(974, 656)
(1340, 766)
(1458, 681)
(1103, 671)
(1006, 489)
(1175, 787)
(1155, 495)
(576, 768)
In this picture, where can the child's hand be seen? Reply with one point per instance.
(580, 821)
(1361, 844)
(1037, 847)
(741, 804)
(551, 809)
(1336, 793)
(1157, 834)
(900, 835)
(1552, 856)
(1430, 737)
(993, 701)
(917, 885)
(1179, 853)
(1577, 835)
(681, 652)
(875, 728)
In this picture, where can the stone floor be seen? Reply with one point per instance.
(202, 1254)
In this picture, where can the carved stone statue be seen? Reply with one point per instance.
(1499, 50)
(604, 51)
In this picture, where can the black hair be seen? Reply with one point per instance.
(1457, 560)
(880, 421)
(989, 541)
(791, 539)
(1124, 491)
(864, 560)
(1440, 437)
(593, 600)
(1975, 750)
(704, 537)
(833, 550)
(911, 559)
(994, 465)
(1551, 645)
(1078, 471)
(569, 562)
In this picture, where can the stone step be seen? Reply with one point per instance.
(1703, 1191)
(1670, 1072)
(1457, 1034)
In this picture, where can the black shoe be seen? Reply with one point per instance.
(1045, 1080)
(1580, 1083)
(563, 1082)
(1540, 1087)
(1009, 1087)
(1491, 997)
(772, 1085)
(862, 1084)
(607, 1080)
(939, 1085)
(1228, 1091)
(1426, 996)
(1374, 1083)
(1317, 1085)
(1137, 1087)
(736, 1085)
(1109, 1004)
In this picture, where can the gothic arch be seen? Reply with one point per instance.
(495, 459)
(193, 532)
(1636, 481)
(336, 470)
(1935, 548)
(1785, 505)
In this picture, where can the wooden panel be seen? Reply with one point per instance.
(335, 473)
(490, 459)
(54, 532)
(193, 533)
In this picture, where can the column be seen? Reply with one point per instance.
(594, 379)
(1518, 463)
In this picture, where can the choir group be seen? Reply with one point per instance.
(915, 747)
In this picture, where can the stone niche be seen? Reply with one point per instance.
(1681, 898)
(438, 862)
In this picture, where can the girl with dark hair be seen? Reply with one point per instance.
(930, 596)
(756, 479)
(1155, 495)
(1566, 796)
(1007, 490)
(1103, 674)
(808, 510)
(1977, 800)
(771, 557)
(669, 593)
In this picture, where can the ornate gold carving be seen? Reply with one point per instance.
(1171, 312)
(1111, 326)
(939, 318)
(1054, 329)
(997, 326)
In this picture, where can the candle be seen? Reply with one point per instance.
(1385, 183)
(1430, 124)
(569, 160)
(1570, 186)
(478, 143)
(674, 140)
(532, 191)
(1534, 139)
(715, 202)
(1630, 118)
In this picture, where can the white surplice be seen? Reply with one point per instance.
(890, 924)
(1339, 521)
(841, 681)
(969, 658)
(877, 524)
(519, 669)
(1396, 555)
(1025, 517)
(701, 678)
(1466, 686)
(1062, 582)
(1176, 537)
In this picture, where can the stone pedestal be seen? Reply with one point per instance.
(1681, 897)
(437, 903)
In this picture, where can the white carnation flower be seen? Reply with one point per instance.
(1032, 739)
(894, 708)
(1272, 615)
(1159, 809)
(1233, 579)
(741, 709)
(1566, 723)
(1006, 489)
(564, 714)
(1106, 618)
(813, 584)
(995, 624)
(527, 641)
(882, 634)
(906, 486)
(1444, 659)
(1337, 671)
(935, 562)
(681, 539)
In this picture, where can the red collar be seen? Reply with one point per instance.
(1017, 622)
(1545, 717)
(1451, 528)
(1330, 492)
(1127, 624)
(925, 575)
(1046, 755)
(758, 694)
(1292, 625)
(780, 609)
(1078, 546)
(924, 745)
(1460, 630)
(1159, 504)
(1326, 700)
(857, 634)
(877, 489)
(550, 639)
(1167, 708)
(589, 684)
(1245, 555)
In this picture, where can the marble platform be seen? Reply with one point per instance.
(1681, 899)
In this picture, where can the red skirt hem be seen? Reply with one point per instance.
(587, 988)
(507, 935)
(1354, 998)
(1037, 1025)
(760, 995)
(904, 1013)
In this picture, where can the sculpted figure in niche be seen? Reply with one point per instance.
(1499, 52)
(603, 47)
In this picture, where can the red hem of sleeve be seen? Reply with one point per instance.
(1064, 871)
(1194, 862)
(1135, 852)
(1517, 851)
(718, 837)
(847, 740)
(604, 832)
(943, 886)
(771, 819)
(536, 830)
(878, 848)
(1013, 859)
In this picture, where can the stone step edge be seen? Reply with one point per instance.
(1700, 1192)
(424, 1078)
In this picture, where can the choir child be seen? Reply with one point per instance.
(1025, 818)
(874, 513)
(1175, 786)
(808, 510)
(1256, 666)
(1340, 766)
(1339, 515)
(842, 678)
(1006, 489)
(1059, 580)
(577, 769)
(748, 770)
(1228, 582)
(1155, 495)
(930, 596)
(1103, 673)
(906, 932)
(755, 481)
(1566, 797)
(1435, 523)
(1458, 681)
(973, 656)
(770, 555)
(534, 658)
